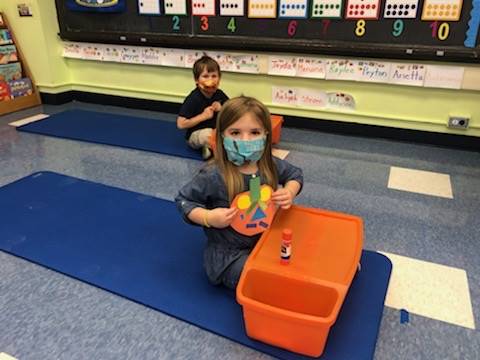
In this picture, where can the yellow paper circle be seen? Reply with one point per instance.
(243, 202)
(265, 193)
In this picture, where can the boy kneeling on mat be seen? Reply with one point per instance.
(198, 113)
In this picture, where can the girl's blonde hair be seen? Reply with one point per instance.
(231, 111)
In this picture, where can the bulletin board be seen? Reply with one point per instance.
(440, 30)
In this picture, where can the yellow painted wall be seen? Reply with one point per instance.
(378, 104)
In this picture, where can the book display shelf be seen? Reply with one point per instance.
(17, 88)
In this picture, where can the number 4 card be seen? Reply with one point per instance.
(232, 8)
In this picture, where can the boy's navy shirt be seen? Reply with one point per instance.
(195, 103)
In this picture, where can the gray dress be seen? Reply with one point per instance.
(226, 249)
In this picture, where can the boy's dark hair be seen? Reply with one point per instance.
(205, 62)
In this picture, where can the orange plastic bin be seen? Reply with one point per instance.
(293, 306)
(277, 121)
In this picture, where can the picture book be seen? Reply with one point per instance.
(4, 91)
(8, 54)
(5, 37)
(20, 87)
(9, 72)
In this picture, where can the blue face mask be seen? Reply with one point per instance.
(239, 151)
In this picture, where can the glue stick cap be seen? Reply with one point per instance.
(287, 234)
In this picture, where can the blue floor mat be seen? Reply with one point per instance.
(119, 130)
(138, 247)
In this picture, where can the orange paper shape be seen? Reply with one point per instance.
(254, 218)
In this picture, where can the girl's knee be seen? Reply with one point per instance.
(231, 276)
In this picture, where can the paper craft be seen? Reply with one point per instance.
(262, 9)
(72, 50)
(448, 77)
(311, 98)
(111, 53)
(191, 56)
(442, 10)
(203, 7)
(149, 7)
(407, 74)
(400, 9)
(246, 63)
(293, 9)
(282, 65)
(173, 57)
(224, 60)
(284, 95)
(341, 69)
(175, 7)
(92, 52)
(373, 71)
(362, 9)
(255, 209)
(337, 100)
(473, 25)
(232, 8)
(329, 9)
(130, 54)
(471, 79)
(311, 67)
(151, 56)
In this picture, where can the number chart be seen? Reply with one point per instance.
(442, 30)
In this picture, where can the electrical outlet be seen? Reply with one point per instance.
(458, 122)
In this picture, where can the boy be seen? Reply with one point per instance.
(198, 113)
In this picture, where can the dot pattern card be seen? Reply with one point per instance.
(232, 8)
(149, 7)
(362, 9)
(203, 7)
(442, 10)
(262, 9)
(175, 7)
(400, 9)
(327, 9)
(293, 9)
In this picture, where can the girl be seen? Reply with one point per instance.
(243, 150)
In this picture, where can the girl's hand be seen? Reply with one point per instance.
(221, 217)
(283, 198)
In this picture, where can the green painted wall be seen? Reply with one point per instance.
(378, 104)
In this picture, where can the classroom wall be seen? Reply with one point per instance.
(377, 104)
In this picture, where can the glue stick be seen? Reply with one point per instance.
(286, 247)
